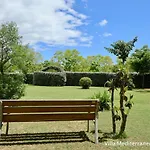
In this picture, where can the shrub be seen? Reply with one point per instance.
(11, 86)
(85, 82)
(104, 100)
(49, 78)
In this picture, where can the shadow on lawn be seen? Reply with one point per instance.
(43, 138)
(143, 90)
(104, 136)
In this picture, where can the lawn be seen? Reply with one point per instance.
(54, 135)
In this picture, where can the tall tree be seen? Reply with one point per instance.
(9, 38)
(70, 60)
(140, 61)
(100, 63)
(14, 57)
(24, 60)
(122, 49)
(10, 86)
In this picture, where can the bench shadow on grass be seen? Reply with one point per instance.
(43, 138)
(103, 136)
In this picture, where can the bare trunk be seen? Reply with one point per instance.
(112, 111)
(123, 124)
(123, 115)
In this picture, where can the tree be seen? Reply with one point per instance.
(9, 38)
(122, 49)
(100, 63)
(122, 80)
(140, 61)
(25, 60)
(13, 58)
(118, 65)
(70, 60)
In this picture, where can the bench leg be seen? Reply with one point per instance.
(96, 130)
(0, 129)
(88, 126)
(7, 128)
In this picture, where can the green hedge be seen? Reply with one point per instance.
(49, 78)
(29, 78)
(98, 79)
(138, 78)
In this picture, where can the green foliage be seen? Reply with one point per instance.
(29, 78)
(104, 100)
(49, 78)
(140, 60)
(100, 63)
(71, 60)
(85, 82)
(122, 80)
(11, 86)
(12, 59)
(122, 49)
(56, 68)
(9, 38)
(98, 79)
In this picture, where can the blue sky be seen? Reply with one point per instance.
(85, 25)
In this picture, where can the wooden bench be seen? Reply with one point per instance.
(49, 110)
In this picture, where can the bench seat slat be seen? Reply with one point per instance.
(47, 103)
(47, 117)
(48, 109)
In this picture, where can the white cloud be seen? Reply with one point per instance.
(53, 22)
(106, 34)
(103, 22)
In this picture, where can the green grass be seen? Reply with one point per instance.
(138, 128)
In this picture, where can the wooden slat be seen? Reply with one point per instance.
(47, 117)
(47, 102)
(48, 109)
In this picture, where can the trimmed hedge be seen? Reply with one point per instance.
(138, 78)
(29, 78)
(49, 78)
(98, 78)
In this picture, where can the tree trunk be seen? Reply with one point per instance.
(123, 115)
(123, 124)
(112, 111)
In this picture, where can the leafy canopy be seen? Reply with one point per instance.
(140, 60)
(122, 49)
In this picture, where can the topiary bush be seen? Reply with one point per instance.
(85, 82)
(11, 86)
(49, 78)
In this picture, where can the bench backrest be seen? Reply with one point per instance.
(48, 110)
